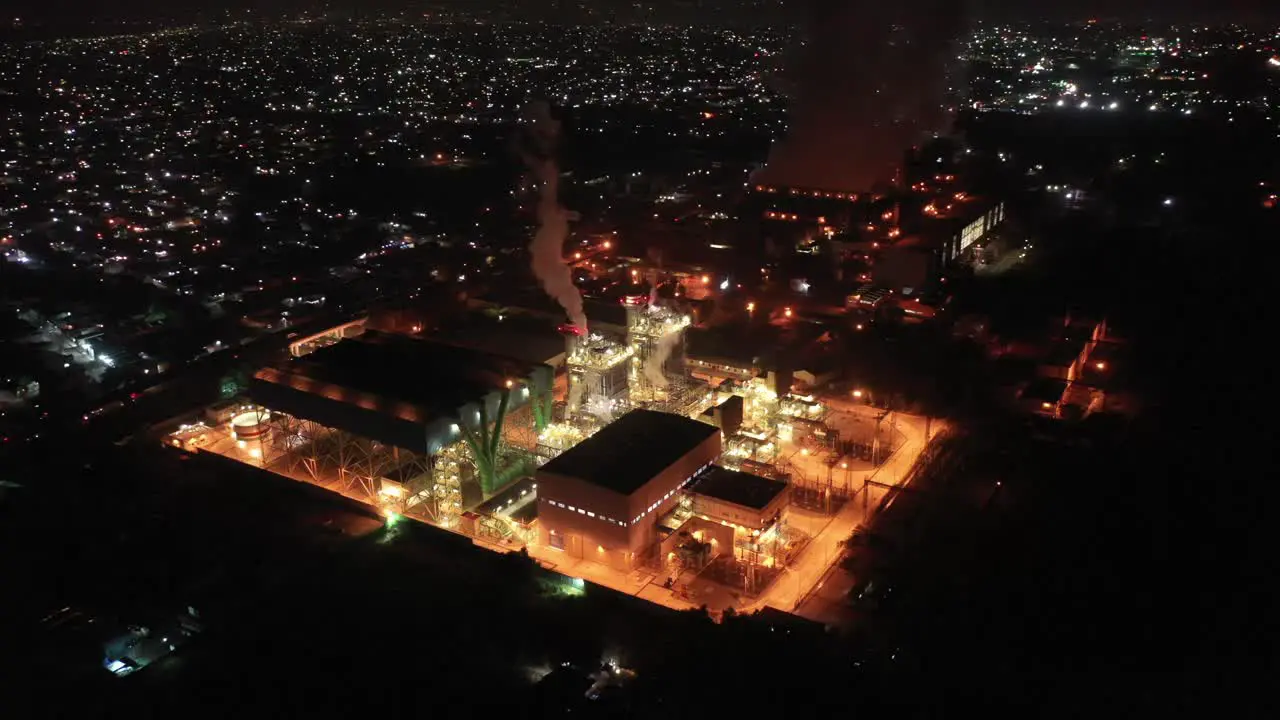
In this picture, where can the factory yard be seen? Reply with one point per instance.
(634, 476)
(797, 581)
(858, 485)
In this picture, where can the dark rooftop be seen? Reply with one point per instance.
(739, 488)
(631, 450)
(525, 338)
(434, 378)
(722, 345)
(509, 496)
(1063, 352)
(1045, 389)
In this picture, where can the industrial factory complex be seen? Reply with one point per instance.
(632, 464)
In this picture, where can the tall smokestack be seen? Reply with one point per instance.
(866, 82)
(547, 247)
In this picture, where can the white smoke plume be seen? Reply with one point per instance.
(653, 367)
(601, 408)
(547, 247)
(575, 396)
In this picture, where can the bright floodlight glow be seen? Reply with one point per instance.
(1113, 105)
(724, 284)
(106, 360)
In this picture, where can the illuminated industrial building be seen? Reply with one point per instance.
(743, 514)
(950, 233)
(656, 336)
(405, 424)
(601, 499)
(747, 501)
(597, 376)
(659, 378)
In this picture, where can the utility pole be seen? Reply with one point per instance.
(875, 442)
(826, 501)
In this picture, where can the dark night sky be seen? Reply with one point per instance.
(1157, 10)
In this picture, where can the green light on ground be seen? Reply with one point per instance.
(392, 519)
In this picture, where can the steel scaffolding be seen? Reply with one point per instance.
(368, 470)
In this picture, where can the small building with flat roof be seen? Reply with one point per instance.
(600, 499)
(742, 499)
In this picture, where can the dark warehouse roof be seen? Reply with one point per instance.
(739, 488)
(385, 386)
(631, 450)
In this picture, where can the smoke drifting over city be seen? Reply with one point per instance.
(866, 80)
(547, 247)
